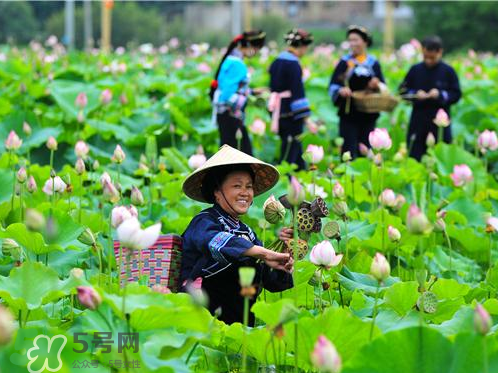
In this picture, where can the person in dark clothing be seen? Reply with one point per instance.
(230, 89)
(289, 106)
(355, 71)
(431, 85)
(216, 243)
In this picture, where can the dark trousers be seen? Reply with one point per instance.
(291, 149)
(355, 132)
(228, 126)
(417, 137)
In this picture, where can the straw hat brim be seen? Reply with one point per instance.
(265, 175)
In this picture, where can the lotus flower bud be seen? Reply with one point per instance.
(119, 155)
(106, 96)
(13, 142)
(136, 196)
(338, 191)
(492, 224)
(80, 117)
(21, 175)
(417, 222)
(6, 325)
(387, 198)
(380, 268)
(54, 185)
(439, 225)
(325, 356)
(52, 143)
(77, 273)
(95, 165)
(258, 127)
(461, 175)
(199, 296)
(81, 100)
(346, 156)
(296, 192)
(81, 149)
(442, 119)
(482, 320)
(105, 177)
(316, 153)
(31, 186)
(246, 276)
(119, 214)
(393, 234)
(273, 210)
(12, 248)
(379, 139)
(363, 149)
(398, 157)
(111, 194)
(488, 140)
(399, 202)
(26, 128)
(80, 166)
(238, 134)
(34, 220)
(88, 297)
(196, 160)
(430, 141)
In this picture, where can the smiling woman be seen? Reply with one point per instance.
(216, 243)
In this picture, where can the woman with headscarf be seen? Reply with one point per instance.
(355, 71)
(217, 243)
(230, 89)
(288, 103)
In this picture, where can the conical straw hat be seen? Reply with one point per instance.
(265, 175)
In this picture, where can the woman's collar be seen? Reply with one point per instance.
(225, 214)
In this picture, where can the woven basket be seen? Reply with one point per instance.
(367, 102)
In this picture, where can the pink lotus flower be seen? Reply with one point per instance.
(258, 127)
(133, 237)
(54, 186)
(393, 234)
(296, 192)
(338, 191)
(121, 213)
(416, 44)
(81, 100)
(461, 175)
(106, 96)
(203, 68)
(380, 268)
(416, 221)
(178, 63)
(6, 325)
(323, 255)
(488, 140)
(312, 127)
(493, 223)
(119, 155)
(174, 42)
(388, 198)
(81, 149)
(88, 297)
(196, 160)
(482, 320)
(316, 152)
(325, 356)
(400, 201)
(31, 185)
(379, 139)
(13, 142)
(442, 119)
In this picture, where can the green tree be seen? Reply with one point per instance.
(461, 25)
(17, 22)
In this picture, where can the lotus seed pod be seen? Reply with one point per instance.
(427, 302)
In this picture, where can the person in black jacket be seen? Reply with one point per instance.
(355, 71)
(431, 85)
(288, 103)
(217, 243)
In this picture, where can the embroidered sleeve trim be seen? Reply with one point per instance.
(217, 243)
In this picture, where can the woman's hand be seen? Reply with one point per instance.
(260, 91)
(345, 92)
(285, 234)
(281, 261)
(373, 84)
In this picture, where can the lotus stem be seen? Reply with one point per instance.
(244, 336)
(374, 315)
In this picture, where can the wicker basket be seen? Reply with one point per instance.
(367, 102)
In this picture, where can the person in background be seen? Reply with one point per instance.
(355, 71)
(431, 85)
(217, 243)
(289, 106)
(230, 89)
